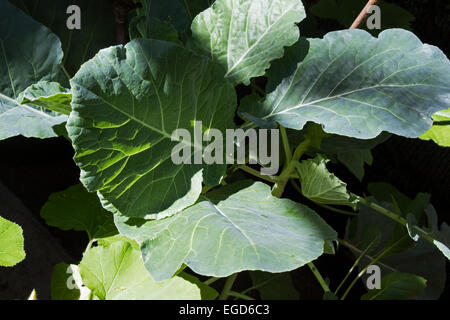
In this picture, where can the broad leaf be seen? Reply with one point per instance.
(121, 124)
(356, 85)
(79, 45)
(29, 53)
(355, 161)
(245, 36)
(77, 209)
(251, 230)
(397, 286)
(440, 131)
(47, 95)
(116, 272)
(320, 185)
(11, 243)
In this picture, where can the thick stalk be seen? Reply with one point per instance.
(227, 287)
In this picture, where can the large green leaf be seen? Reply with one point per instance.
(251, 230)
(397, 286)
(245, 36)
(116, 272)
(357, 85)
(440, 131)
(77, 209)
(11, 243)
(29, 53)
(127, 102)
(320, 185)
(79, 45)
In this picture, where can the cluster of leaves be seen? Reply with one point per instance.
(147, 219)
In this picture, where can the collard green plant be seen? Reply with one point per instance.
(154, 224)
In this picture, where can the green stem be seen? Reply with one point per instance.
(363, 253)
(318, 276)
(257, 174)
(352, 247)
(227, 288)
(239, 295)
(380, 256)
(287, 148)
(65, 72)
(210, 280)
(349, 213)
(394, 217)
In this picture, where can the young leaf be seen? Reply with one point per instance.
(397, 286)
(11, 243)
(48, 95)
(251, 230)
(29, 53)
(440, 131)
(321, 186)
(77, 209)
(116, 272)
(356, 85)
(121, 125)
(245, 36)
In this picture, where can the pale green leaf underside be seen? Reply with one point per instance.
(116, 272)
(397, 286)
(440, 131)
(357, 85)
(47, 95)
(244, 36)
(126, 103)
(251, 230)
(320, 185)
(77, 209)
(11, 243)
(29, 53)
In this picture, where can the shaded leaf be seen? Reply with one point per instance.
(63, 285)
(397, 286)
(274, 286)
(77, 209)
(29, 53)
(79, 45)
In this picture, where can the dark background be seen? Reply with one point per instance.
(33, 169)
